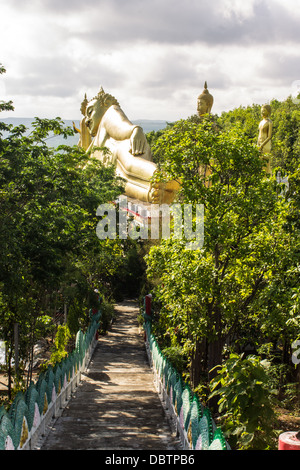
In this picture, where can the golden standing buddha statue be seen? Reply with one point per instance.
(265, 136)
(85, 137)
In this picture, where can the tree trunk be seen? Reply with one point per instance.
(31, 352)
(9, 372)
(215, 345)
(215, 349)
(198, 366)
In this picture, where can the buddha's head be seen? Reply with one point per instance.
(96, 109)
(265, 110)
(205, 102)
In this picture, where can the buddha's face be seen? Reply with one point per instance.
(264, 112)
(202, 106)
(94, 114)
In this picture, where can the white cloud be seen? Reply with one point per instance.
(240, 9)
(154, 56)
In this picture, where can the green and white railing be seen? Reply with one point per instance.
(25, 423)
(192, 421)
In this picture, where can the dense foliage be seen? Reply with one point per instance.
(239, 293)
(285, 136)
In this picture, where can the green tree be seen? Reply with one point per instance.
(246, 402)
(206, 295)
(48, 202)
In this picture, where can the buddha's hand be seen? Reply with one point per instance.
(137, 141)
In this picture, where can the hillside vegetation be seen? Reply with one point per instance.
(228, 314)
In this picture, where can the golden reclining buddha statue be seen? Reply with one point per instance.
(116, 140)
(111, 137)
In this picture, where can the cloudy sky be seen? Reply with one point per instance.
(152, 55)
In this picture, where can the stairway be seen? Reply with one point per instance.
(116, 406)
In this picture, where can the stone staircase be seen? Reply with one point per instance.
(116, 406)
